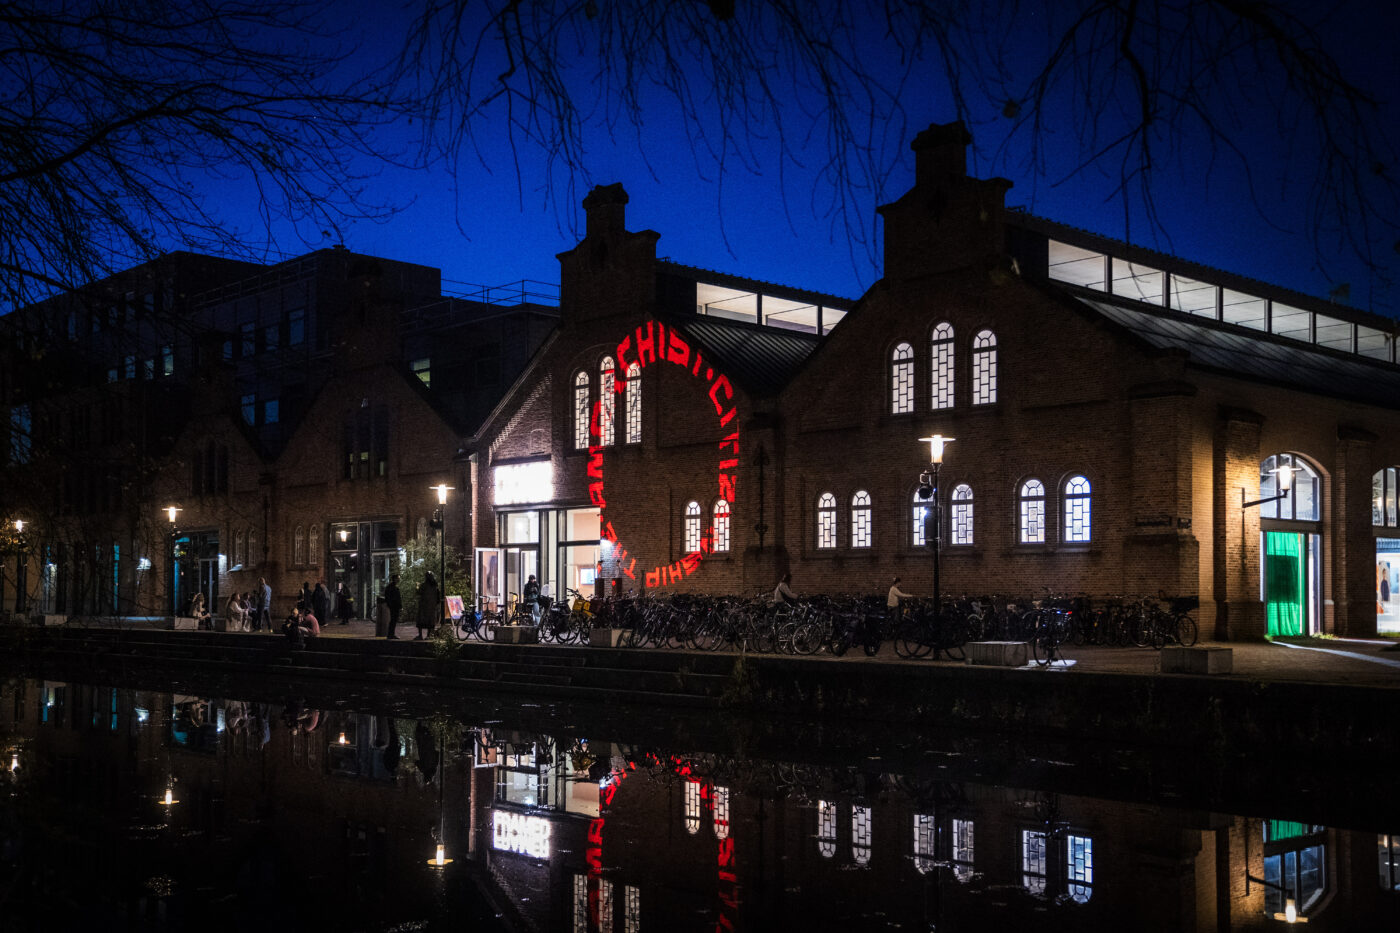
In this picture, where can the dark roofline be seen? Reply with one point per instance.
(1078, 236)
(712, 277)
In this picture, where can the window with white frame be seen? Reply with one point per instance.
(721, 542)
(1033, 860)
(1032, 512)
(943, 357)
(692, 807)
(826, 520)
(860, 519)
(299, 546)
(1303, 502)
(606, 375)
(925, 834)
(1077, 524)
(1383, 498)
(826, 828)
(961, 507)
(633, 401)
(691, 543)
(721, 813)
(240, 549)
(1079, 867)
(581, 387)
(631, 909)
(861, 848)
(921, 515)
(963, 849)
(313, 546)
(254, 555)
(984, 368)
(902, 379)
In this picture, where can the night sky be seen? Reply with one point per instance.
(769, 220)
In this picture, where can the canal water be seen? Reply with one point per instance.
(210, 804)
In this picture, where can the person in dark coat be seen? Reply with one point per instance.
(321, 600)
(394, 598)
(345, 605)
(429, 606)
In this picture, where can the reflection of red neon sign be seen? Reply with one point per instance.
(655, 345)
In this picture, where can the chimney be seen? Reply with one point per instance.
(939, 152)
(606, 210)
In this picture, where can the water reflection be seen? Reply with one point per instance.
(134, 808)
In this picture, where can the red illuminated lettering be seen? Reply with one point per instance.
(595, 462)
(695, 369)
(728, 416)
(653, 578)
(722, 381)
(622, 348)
(628, 569)
(733, 441)
(646, 347)
(679, 352)
(726, 487)
(595, 495)
(595, 831)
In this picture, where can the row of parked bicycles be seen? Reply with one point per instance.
(837, 624)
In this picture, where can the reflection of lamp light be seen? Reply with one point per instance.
(169, 797)
(14, 761)
(440, 522)
(344, 535)
(1290, 904)
(341, 740)
(19, 525)
(440, 859)
(170, 512)
(928, 489)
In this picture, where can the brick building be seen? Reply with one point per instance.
(1118, 413)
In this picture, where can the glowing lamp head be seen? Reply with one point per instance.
(169, 797)
(19, 524)
(1285, 477)
(1290, 910)
(344, 535)
(440, 859)
(341, 740)
(442, 490)
(14, 761)
(936, 443)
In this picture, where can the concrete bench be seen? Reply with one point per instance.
(997, 653)
(606, 637)
(186, 624)
(518, 634)
(1180, 660)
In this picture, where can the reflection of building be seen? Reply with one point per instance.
(1114, 410)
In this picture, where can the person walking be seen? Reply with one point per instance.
(783, 594)
(233, 613)
(321, 600)
(345, 604)
(530, 598)
(395, 600)
(892, 601)
(264, 606)
(429, 606)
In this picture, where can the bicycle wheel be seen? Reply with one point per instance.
(906, 641)
(1186, 630)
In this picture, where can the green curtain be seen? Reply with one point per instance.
(1283, 582)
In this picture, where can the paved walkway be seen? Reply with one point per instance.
(1365, 663)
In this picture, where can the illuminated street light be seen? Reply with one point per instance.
(928, 489)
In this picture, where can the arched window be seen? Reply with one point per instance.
(721, 525)
(826, 828)
(1079, 867)
(1033, 860)
(692, 807)
(692, 527)
(902, 379)
(721, 813)
(860, 834)
(943, 348)
(961, 525)
(925, 850)
(922, 515)
(963, 836)
(254, 556)
(1295, 864)
(299, 546)
(1032, 512)
(314, 546)
(240, 549)
(826, 521)
(422, 534)
(1302, 502)
(606, 376)
(860, 519)
(581, 388)
(634, 404)
(984, 368)
(1077, 526)
(1383, 498)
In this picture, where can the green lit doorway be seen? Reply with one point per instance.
(1290, 582)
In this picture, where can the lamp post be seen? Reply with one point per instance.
(439, 522)
(170, 513)
(1284, 473)
(928, 489)
(21, 569)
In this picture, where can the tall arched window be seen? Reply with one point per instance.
(902, 379)
(921, 517)
(692, 807)
(826, 520)
(299, 546)
(826, 828)
(721, 525)
(961, 524)
(943, 366)
(581, 388)
(861, 846)
(860, 519)
(692, 527)
(633, 399)
(721, 812)
(984, 368)
(606, 375)
(240, 549)
(314, 546)
(1032, 512)
(1301, 503)
(1077, 526)
(925, 848)
(254, 555)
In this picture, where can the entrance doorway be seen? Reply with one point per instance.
(1290, 571)
(363, 557)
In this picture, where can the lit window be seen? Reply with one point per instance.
(606, 374)
(984, 368)
(634, 404)
(1077, 523)
(1079, 867)
(1302, 502)
(1033, 852)
(962, 514)
(1295, 866)
(581, 411)
(254, 556)
(692, 807)
(826, 521)
(1383, 497)
(423, 369)
(943, 366)
(721, 525)
(826, 828)
(924, 836)
(921, 518)
(240, 549)
(167, 357)
(1032, 512)
(631, 909)
(902, 379)
(860, 834)
(721, 814)
(860, 519)
(1389, 849)
(962, 849)
(692, 527)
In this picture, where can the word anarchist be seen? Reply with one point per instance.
(655, 345)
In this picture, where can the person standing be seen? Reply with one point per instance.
(892, 601)
(530, 597)
(264, 612)
(345, 603)
(783, 594)
(429, 606)
(395, 600)
(321, 600)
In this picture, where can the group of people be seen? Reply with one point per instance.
(243, 612)
(784, 596)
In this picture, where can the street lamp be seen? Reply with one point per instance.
(170, 513)
(21, 568)
(1284, 472)
(928, 489)
(439, 522)
(1290, 904)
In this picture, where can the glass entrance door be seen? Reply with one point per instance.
(1290, 582)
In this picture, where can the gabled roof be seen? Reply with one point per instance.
(759, 359)
(1258, 356)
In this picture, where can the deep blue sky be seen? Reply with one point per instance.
(488, 225)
